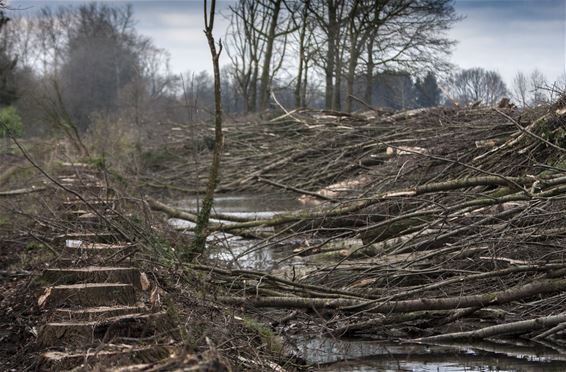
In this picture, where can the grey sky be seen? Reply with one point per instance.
(503, 35)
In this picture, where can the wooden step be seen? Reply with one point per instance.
(96, 313)
(82, 248)
(86, 333)
(88, 295)
(133, 368)
(95, 237)
(77, 165)
(81, 178)
(92, 274)
(111, 356)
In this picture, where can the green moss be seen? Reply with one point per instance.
(271, 340)
(98, 162)
(257, 327)
(500, 192)
(155, 159)
(32, 246)
(173, 314)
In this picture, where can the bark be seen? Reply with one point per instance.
(352, 63)
(331, 53)
(301, 71)
(337, 97)
(370, 66)
(304, 87)
(252, 99)
(264, 88)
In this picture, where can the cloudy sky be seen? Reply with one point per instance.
(503, 35)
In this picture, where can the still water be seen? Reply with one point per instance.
(329, 354)
(326, 354)
(246, 253)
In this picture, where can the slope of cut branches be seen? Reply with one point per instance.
(436, 220)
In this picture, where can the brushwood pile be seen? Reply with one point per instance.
(426, 225)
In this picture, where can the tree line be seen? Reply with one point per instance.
(70, 67)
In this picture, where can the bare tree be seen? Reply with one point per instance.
(534, 89)
(396, 35)
(245, 48)
(521, 89)
(539, 87)
(256, 29)
(329, 16)
(477, 85)
(304, 39)
(274, 7)
(359, 29)
(201, 228)
(409, 35)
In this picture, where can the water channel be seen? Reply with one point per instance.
(357, 354)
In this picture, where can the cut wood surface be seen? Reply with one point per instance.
(73, 333)
(60, 361)
(96, 313)
(93, 274)
(89, 294)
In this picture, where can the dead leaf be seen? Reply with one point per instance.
(155, 298)
(144, 281)
(43, 298)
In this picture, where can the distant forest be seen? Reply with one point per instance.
(78, 68)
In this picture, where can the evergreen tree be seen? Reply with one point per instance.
(428, 93)
(394, 89)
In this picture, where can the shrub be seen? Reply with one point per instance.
(10, 122)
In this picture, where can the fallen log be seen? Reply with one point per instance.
(513, 328)
(405, 306)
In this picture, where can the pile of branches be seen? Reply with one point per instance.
(441, 224)
(307, 150)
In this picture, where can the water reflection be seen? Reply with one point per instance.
(363, 355)
(251, 204)
(233, 249)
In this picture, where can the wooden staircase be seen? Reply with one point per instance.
(95, 300)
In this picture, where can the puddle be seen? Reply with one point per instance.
(249, 205)
(234, 249)
(365, 355)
